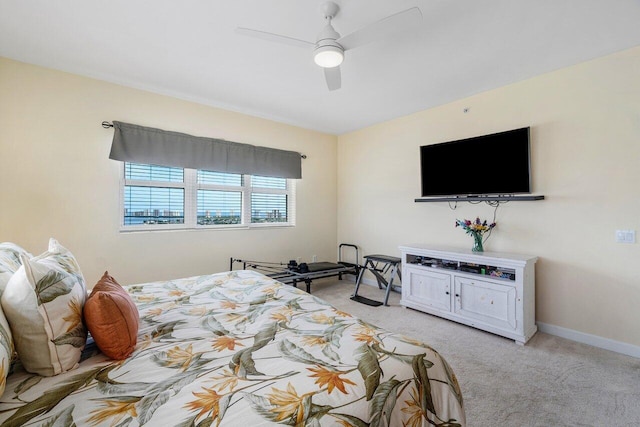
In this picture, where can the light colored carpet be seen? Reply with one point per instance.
(550, 381)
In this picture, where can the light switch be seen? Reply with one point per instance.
(625, 236)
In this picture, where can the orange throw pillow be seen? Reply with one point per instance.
(112, 318)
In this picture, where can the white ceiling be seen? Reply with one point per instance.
(188, 49)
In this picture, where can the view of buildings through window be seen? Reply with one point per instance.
(161, 195)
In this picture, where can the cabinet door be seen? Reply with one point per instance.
(488, 302)
(429, 289)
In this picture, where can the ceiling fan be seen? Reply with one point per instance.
(329, 48)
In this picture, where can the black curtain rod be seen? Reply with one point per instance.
(108, 125)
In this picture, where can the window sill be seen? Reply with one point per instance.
(129, 230)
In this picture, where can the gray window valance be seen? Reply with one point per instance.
(140, 144)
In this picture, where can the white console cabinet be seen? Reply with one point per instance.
(491, 291)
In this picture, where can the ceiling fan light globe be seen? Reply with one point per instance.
(328, 56)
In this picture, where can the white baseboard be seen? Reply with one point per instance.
(570, 334)
(594, 340)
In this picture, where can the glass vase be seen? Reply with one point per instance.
(477, 243)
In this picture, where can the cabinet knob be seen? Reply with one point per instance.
(447, 292)
(457, 295)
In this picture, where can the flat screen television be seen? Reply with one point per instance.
(496, 164)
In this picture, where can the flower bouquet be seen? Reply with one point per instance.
(476, 229)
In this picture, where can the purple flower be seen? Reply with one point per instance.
(475, 227)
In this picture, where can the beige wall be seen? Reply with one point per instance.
(585, 139)
(56, 178)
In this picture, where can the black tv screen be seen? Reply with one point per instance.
(484, 165)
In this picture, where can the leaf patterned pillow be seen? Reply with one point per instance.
(9, 263)
(6, 350)
(43, 302)
(59, 256)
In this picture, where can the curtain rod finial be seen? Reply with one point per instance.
(107, 125)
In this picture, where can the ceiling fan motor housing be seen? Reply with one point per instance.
(328, 37)
(328, 53)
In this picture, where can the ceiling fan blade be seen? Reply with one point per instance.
(274, 37)
(396, 23)
(333, 78)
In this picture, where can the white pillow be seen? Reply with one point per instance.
(43, 302)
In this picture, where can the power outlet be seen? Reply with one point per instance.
(625, 236)
(314, 259)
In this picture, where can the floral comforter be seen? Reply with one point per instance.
(240, 349)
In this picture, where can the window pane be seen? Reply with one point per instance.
(153, 205)
(219, 207)
(219, 178)
(139, 171)
(268, 208)
(269, 182)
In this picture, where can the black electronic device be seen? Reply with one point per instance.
(496, 164)
(451, 265)
(470, 268)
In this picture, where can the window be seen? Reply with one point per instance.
(153, 195)
(161, 197)
(219, 198)
(268, 200)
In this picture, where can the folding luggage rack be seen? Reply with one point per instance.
(293, 273)
(379, 266)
